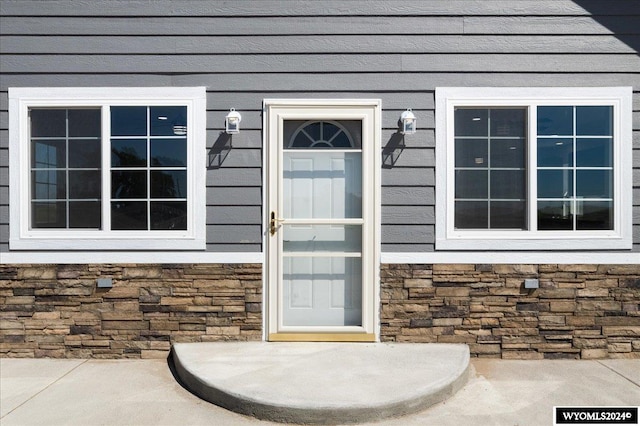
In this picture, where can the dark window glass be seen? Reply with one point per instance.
(507, 184)
(65, 163)
(129, 215)
(48, 123)
(594, 152)
(168, 120)
(508, 122)
(49, 214)
(555, 183)
(84, 184)
(169, 215)
(471, 215)
(168, 152)
(84, 153)
(508, 215)
(85, 214)
(128, 152)
(48, 185)
(129, 121)
(472, 153)
(508, 153)
(594, 183)
(471, 122)
(169, 184)
(555, 120)
(322, 134)
(48, 154)
(594, 215)
(472, 184)
(594, 120)
(129, 184)
(84, 122)
(555, 152)
(555, 216)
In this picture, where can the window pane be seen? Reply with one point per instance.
(508, 215)
(507, 184)
(508, 122)
(555, 183)
(341, 134)
(169, 184)
(168, 152)
(48, 185)
(129, 184)
(472, 153)
(594, 215)
(555, 215)
(594, 183)
(168, 120)
(84, 153)
(327, 238)
(84, 122)
(84, 214)
(170, 215)
(129, 121)
(507, 153)
(555, 120)
(556, 152)
(594, 121)
(596, 152)
(84, 184)
(471, 215)
(471, 122)
(49, 214)
(129, 215)
(322, 185)
(48, 123)
(48, 154)
(471, 184)
(128, 152)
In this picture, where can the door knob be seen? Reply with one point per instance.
(273, 223)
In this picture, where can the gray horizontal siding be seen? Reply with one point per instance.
(330, 8)
(213, 25)
(246, 51)
(324, 44)
(527, 63)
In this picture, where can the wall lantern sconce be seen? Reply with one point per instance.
(408, 120)
(232, 122)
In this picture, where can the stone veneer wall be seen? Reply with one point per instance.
(58, 311)
(579, 311)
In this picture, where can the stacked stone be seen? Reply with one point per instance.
(58, 311)
(578, 311)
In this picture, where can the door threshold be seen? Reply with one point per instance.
(322, 337)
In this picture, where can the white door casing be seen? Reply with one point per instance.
(322, 227)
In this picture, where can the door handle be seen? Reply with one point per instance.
(273, 223)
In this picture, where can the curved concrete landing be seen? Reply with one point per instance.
(323, 383)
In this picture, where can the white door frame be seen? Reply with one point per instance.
(275, 111)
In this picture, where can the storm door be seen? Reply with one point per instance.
(321, 231)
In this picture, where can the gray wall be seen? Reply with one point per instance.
(248, 50)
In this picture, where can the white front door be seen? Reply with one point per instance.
(323, 220)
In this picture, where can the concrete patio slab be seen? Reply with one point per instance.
(26, 378)
(323, 383)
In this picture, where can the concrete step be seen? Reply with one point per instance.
(322, 383)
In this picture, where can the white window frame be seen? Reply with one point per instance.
(22, 237)
(449, 238)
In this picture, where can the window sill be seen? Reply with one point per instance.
(606, 241)
(99, 244)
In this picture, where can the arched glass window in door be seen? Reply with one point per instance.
(322, 134)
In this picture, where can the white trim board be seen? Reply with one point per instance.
(114, 257)
(513, 258)
(389, 257)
